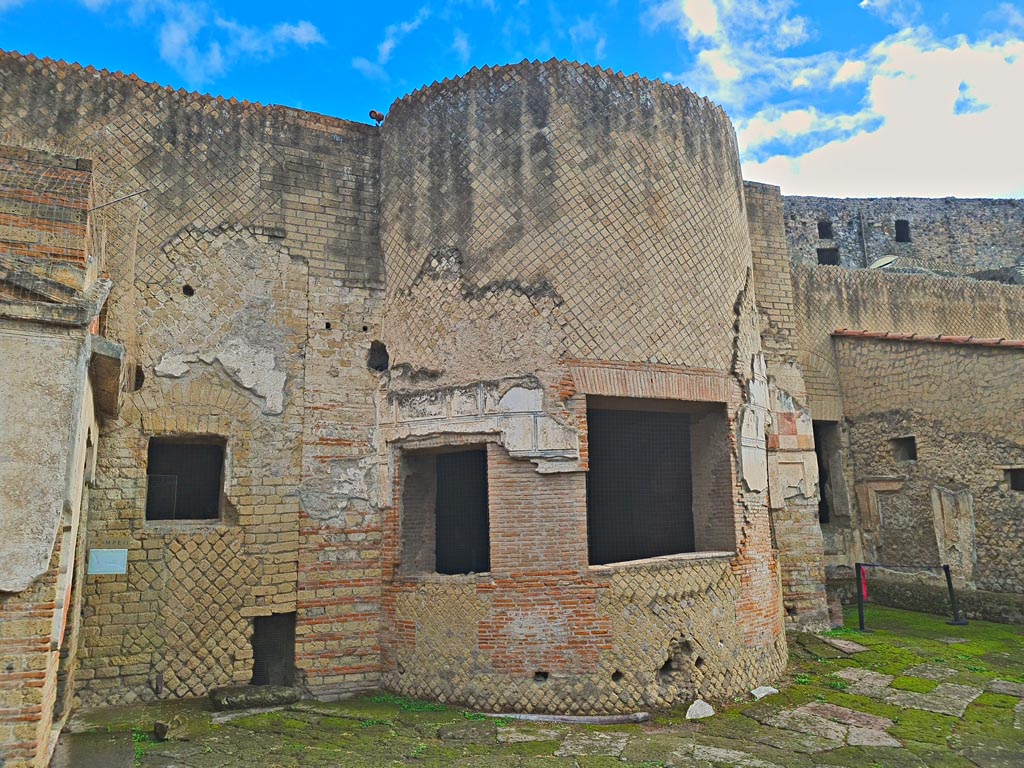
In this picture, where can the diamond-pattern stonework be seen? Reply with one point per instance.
(578, 189)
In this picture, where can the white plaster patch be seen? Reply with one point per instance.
(252, 368)
(520, 400)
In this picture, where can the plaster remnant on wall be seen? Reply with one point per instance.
(327, 498)
(515, 413)
(953, 513)
(252, 368)
(753, 427)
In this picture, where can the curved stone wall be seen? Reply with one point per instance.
(553, 232)
(603, 213)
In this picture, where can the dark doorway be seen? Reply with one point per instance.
(273, 649)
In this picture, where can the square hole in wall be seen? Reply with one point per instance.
(904, 448)
(902, 231)
(445, 516)
(828, 257)
(1015, 478)
(185, 477)
(825, 229)
(273, 649)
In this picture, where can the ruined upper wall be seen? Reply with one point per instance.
(946, 234)
(560, 211)
(829, 298)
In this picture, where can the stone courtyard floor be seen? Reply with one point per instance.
(915, 692)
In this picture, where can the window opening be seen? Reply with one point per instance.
(639, 486)
(1015, 478)
(902, 231)
(904, 448)
(825, 230)
(461, 526)
(184, 479)
(828, 257)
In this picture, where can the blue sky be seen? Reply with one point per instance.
(831, 97)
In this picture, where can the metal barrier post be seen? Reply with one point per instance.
(958, 620)
(859, 570)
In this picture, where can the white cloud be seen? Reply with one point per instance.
(6, 5)
(583, 34)
(850, 72)
(369, 69)
(461, 46)
(949, 113)
(199, 44)
(899, 13)
(394, 33)
(738, 46)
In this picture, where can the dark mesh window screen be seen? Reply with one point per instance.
(462, 530)
(273, 649)
(639, 487)
(184, 480)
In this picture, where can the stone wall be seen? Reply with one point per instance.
(793, 473)
(247, 278)
(947, 234)
(829, 298)
(556, 234)
(952, 502)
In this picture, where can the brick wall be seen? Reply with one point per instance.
(793, 475)
(246, 289)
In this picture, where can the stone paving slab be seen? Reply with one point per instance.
(592, 743)
(931, 672)
(846, 716)
(1007, 688)
(946, 699)
(846, 646)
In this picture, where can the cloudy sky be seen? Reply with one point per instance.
(830, 97)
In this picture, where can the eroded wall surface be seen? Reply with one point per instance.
(945, 234)
(554, 233)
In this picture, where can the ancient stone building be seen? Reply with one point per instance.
(511, 402)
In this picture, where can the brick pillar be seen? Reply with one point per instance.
(793, 471)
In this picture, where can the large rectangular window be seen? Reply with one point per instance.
(445, 523)
(185, 477)
(639, 487)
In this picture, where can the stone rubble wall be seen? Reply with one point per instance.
(946, 234)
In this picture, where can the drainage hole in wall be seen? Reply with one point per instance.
(327, 325)
(140, 378)
(617, 676)
(366, 328)
(699, 662)
(666, 669)
(540, 676)
(188, 290)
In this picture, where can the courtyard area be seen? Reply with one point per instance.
(914, 692)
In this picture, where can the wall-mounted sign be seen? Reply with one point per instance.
(107, 561)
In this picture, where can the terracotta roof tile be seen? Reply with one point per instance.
(929, 338)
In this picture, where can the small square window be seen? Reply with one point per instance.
(825, 230)
(904, 448)
(828, 257)
(1015, 478)
(902, 231)
(185, 478)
